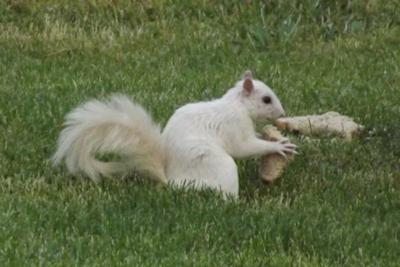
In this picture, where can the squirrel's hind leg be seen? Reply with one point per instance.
(211, 169)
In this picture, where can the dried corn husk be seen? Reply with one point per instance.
(271, 166)
(328, 124)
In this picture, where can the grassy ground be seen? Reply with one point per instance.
(336, 205)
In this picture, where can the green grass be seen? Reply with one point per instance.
(337, 204)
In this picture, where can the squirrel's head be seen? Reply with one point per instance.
(258, 98)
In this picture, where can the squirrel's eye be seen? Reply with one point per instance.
(267, 100)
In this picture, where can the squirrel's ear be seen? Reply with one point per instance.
(247, 75)
(248, 85)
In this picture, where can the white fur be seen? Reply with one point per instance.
(118, 126)
(196, 148)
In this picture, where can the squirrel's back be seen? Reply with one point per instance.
(217, 121)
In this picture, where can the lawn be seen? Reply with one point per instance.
(337, 203)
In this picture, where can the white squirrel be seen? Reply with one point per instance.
(196, 147)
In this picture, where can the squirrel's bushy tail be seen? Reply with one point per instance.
(118, 127)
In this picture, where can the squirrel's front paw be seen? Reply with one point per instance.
(284, 147)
